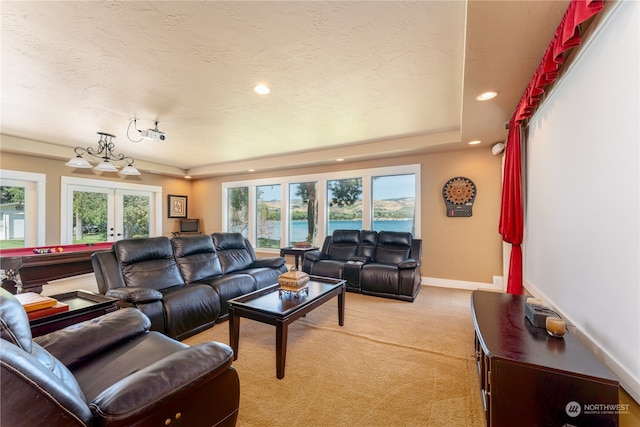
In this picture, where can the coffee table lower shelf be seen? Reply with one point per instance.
(272, 307)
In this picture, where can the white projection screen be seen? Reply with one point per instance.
(582, 195)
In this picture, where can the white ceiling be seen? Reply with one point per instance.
(345, 77)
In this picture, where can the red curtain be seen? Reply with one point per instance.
(511, 225)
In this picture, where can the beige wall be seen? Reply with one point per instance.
(465, 249)
(55, 169)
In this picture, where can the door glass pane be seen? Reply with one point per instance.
(268, 201)
(303, 210)
(238, 210)
(135, 218)
(12, 217)
(394, 198)
(89, 217)
(344, 197)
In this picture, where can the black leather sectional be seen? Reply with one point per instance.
(111, 371)
(384, 264)
(183, 284)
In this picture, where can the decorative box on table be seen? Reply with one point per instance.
(293, 281)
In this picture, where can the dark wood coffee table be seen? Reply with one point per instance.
(268, 306)
(83, 305)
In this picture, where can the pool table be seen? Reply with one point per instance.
(36, 269)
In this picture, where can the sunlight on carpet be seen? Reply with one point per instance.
(393, 363)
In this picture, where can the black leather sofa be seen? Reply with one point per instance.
(183, 284)
(384, 264)
(111, 371)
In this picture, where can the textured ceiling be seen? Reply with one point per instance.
(344, 77)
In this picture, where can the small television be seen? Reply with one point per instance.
(190, 225)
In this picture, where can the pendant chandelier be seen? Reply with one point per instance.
(104, 152)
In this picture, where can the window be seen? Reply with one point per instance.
(303, 213)
(276, 212)
(268, 209)
(394, 201)
(238, 210)
(22, 209)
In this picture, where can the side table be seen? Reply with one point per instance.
(83, 305)
(296, 252)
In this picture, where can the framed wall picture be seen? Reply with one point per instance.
(177, 206)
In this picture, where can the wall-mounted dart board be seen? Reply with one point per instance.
(459, 194)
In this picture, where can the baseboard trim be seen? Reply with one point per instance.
(461, 284)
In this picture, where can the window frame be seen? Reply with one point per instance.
(35, 194)
(321, 179)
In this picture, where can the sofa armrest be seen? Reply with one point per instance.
(81, 341)
(315, 255)
(409, 264)
(146, 390)
(274, 262)
(135, 295)
(359, 260)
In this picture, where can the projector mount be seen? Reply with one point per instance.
(152, 134)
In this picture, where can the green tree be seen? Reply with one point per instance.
(239, 200)
(89, 209)
(345, 191)
(307, 192)
(11, 194)
(136, 216)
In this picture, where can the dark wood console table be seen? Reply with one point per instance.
(528, 378)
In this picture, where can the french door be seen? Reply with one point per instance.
(104, 211)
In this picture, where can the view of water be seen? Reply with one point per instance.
(299, 228)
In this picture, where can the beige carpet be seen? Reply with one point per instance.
(392, 364)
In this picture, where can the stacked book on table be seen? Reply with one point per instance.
(38, 306)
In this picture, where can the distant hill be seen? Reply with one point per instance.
(398, 208)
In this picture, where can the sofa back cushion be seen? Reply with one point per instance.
(344, 244)
(148, 263)
(107, 271)
(232, 251)
(393, 247)
(197, 258)
(14, 324)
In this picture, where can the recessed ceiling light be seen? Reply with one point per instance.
(251, 170)
(339, 160)
(487, 95)
(476, 142)
(187, 177)
(262, 89)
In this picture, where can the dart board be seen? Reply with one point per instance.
(459, 194)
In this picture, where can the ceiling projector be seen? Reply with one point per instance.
(154, 135)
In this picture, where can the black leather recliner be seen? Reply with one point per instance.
(199, 262)
(394, 271)
(144, 274)
(336, 251)
(183, 284)
(111, 371)
(384, 264)
(238, 257)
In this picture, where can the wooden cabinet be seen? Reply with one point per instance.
(528, 378)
